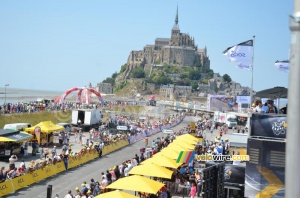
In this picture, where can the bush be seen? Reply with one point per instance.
(138, 72)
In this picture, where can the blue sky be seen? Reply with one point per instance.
(60, 44)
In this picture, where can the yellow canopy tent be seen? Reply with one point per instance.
(177, 147)
(184, 144)
(46, 128)
(186, 139)
(151, 170)
(116, 194)
(173, 154)
(137, 183)
(162, 161)
(187, 136)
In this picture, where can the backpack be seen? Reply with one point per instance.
(169, 194)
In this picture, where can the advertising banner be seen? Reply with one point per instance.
(269, 125)
(21, 182)
(265, 171)
(243, 99)
(6, 188)
(37, 175)
(59, 167)
(223, 103)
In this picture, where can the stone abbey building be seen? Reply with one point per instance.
(179, 50)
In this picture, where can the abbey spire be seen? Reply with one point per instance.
(176, 18)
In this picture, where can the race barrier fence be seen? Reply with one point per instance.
(11, 185)
(139, 136)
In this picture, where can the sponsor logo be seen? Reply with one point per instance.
(227, 174)
(3, 187)
(20, 181)
(283, 67)
(35, 175)
(279, 127)
(58, 166)
(234, 54)
(209, 157)
(249, 42)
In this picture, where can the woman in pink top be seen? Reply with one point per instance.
(193, 191)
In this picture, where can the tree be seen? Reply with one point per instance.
(194, 75)
(162, 79)
(226, 78)
(194, 85)
(114, 75)
(198, 64)
(183, 76)
(123, 68)
(138, 72)
(109, 80)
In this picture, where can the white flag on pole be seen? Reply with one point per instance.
(242, 54)
(283, 65)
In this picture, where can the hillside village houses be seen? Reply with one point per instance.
(216, 86)
(105, 88)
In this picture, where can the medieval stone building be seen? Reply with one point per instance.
(179, 50)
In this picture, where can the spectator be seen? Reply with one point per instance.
(69, 195)
(12, 161)
(193, 191)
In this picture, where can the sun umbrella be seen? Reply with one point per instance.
(151, 170)
(188, 136)
(186, 139)
(173, 154)
(137, 183)
(178, 147)
(184, 144)
(115, 194)
(162, 161)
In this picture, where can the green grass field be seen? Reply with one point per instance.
(56, 117)
(35, 118)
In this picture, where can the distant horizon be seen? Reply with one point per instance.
(2, 90)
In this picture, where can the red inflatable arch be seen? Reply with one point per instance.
(87, 92)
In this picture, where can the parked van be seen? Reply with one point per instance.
(17, 126)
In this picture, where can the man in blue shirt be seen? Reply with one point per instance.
(265, 108)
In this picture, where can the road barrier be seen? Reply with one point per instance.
(11, 185)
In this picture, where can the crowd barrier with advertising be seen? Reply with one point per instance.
(139, 136)
(12, 185)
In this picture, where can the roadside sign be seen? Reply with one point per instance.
(123, 128)
(168, 131)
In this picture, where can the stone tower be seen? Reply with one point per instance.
(175, 32)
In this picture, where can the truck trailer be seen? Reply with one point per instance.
(87, 118)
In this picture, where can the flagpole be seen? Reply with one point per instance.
(251, 92)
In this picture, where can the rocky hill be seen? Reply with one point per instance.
(134, 79)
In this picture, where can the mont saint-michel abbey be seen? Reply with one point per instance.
(179, 50)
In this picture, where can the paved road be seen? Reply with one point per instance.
(73, 178)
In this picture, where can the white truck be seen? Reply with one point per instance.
(87, 118)
(229, 119)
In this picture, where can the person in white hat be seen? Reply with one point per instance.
(226, 147)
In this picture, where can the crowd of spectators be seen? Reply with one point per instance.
(50, 105)
(48, 157)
